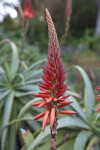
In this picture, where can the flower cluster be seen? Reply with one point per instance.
(28, 10)
(52, 87)
(98, 99)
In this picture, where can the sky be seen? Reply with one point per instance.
(5, 9)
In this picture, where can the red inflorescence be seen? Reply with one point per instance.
(98, 99)
(68, 9)
(52, 87)
(28, 10)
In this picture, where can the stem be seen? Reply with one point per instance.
(22, 43)
(23, 30)
(54, 131)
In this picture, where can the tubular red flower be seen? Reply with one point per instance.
(36, 104)
(44, 92)
(49, 99)
(41, 95)
(63, 98)
(39, 116)
(64, 104)
(67, 112)
(45, 119)
(98, 109)
(42, 104)
(28, 10)
(52, 116)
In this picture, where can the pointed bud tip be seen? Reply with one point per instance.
(46, 9)
(47, 12)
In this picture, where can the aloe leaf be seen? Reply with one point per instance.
(7, 68)
(19, 75)
(94, 141)
(3, 89)
(35, 73)
(28, 88)
(1, 121)
(68, 122)
(1, 105)
(22, 94)
(39, 138)
(4, 94)
(34, 125)
(75, 105)
(34, 65)
(12, 129)
(1, 70)
(72, 93)
(25, 108)
(81, 140)
(67, 146)
(28, 82)
(89, 101)
(27, 138)
(45, 146)
(14, 65)
(72, 123)
(7, 114)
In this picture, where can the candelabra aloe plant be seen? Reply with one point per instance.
(52, 87)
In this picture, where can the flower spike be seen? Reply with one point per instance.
(53, 86)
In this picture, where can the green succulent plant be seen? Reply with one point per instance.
(17, 84)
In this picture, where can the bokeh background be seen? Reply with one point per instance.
(79, 38)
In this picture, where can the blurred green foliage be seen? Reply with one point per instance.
(16, 89)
